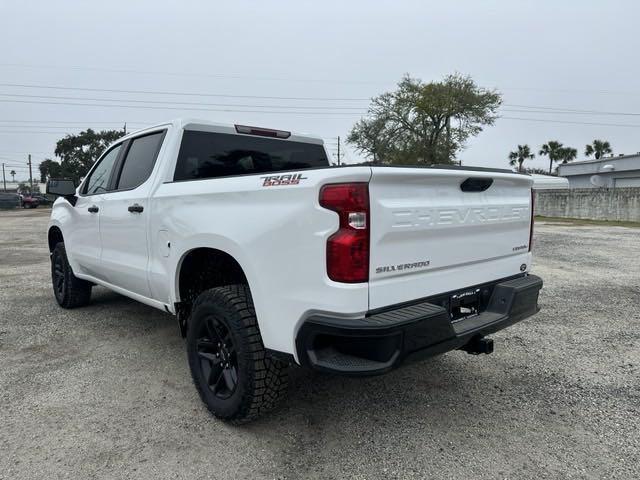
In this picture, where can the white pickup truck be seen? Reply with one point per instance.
(268, 256)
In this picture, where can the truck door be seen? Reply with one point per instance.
(125, 214)
(83, 238)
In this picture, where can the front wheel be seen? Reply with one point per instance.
(69, 290)
(236, 379)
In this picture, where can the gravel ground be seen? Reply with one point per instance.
(104, 391)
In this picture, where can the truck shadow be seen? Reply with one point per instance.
(115, 315)
(411, 410)
(446, 392)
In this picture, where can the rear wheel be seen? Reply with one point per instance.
(235, 378)
(70, 291)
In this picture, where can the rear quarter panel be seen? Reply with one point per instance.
(277, 234)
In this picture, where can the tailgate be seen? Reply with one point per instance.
(431, 235)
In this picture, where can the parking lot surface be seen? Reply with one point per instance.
(104, 391)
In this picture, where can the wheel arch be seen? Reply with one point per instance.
(201, 266)
(54, 236)
(200, 269)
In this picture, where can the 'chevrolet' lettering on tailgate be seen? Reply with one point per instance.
(459, 216)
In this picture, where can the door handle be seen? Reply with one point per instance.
(93, 209)
(135, 208)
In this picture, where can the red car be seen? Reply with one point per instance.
(28, 201)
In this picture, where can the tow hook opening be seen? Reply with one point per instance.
(478, 345)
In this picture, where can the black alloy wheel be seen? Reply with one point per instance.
(59, 280)
(218, 357)
(69, 290)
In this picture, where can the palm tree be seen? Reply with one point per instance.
(599, 148)
(568, 154)
(13, 175)
(519, 156)
(553, 149)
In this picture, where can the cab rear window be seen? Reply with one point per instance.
(213, 155)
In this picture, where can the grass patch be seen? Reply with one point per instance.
(584, 221)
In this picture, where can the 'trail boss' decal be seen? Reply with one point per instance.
(402, 267)
(286, 179)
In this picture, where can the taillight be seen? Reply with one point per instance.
(533, 205)
(348, 248)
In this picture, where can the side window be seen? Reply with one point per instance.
(98, 180)
(139, 161)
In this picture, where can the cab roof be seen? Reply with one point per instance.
(229, 128)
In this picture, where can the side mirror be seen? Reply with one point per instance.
(63, 187)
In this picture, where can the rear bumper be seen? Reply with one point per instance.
(383, 339)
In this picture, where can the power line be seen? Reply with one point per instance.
(168, 102)
(20, 169)
(535, 109)
(570, 122)
(194, 74)
(20, 151)
(21, 165)
(39, 126)
(73, 123)
(293, 80)
(571, 90)
(549, 110)
(532, 108)
(64, 127)
(330, 142)
(10, 132)
(545, 120)
(150, 107)
(189, 94)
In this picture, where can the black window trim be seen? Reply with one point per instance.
(82, 191)
(118, 166)
(115, 179)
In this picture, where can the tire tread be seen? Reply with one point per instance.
(77, 291)
(267, 385)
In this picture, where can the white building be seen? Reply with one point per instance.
(609, 172)
(549, 182)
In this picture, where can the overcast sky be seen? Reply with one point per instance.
(575, 55)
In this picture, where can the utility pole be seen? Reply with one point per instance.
(4, 180)
(448, 132)
(125, 128)
(338, 150)
(30, 174)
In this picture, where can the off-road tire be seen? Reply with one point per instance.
(69, 290)
(261, 380)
